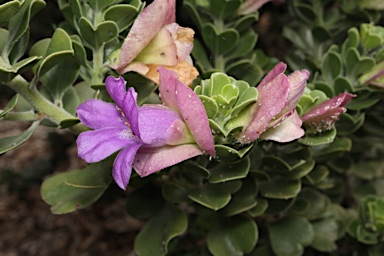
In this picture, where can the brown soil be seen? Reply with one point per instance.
(27, 227)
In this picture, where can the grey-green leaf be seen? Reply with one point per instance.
(153, 239)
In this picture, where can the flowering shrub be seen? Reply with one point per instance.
(234, 152)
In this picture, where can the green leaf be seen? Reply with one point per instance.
(96, 37)
(69, 191)
(219, 42)
(154, 237)
(12, 142)
(317, 139)
(280, 188)
(8, 10)
(222, 9)
(259, 209)
(246, 45)
(331, 66)
(325, 235)
(233, 236)
(242, 200)
(98, 5)
(228, 154)
(122, 14)
(210, 197)
(18, 24)
(244, 22)
(210, 106)
(290, 235)
(59, 48)
(59, 78)
(225, 171)
(317, 204)
(11, 104)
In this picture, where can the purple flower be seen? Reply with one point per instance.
(151, 137)
(156, 40)
(324, 116)
(274, 115)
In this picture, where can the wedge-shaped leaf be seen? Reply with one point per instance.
(224, 9)
(154, 237)
(219, 42)
(301, 170)
(317, 139)
(200, 55)
(259, 209)
(247, 70)
(325, 234)
(280, 188)
(243, 23)
(11, 104)
(249, 96)
(331, 66)
(364, 99)
(318, 174)
(351, 42)
(8, 10)
(233, 236)
(228, 154)
(53, 51)
(98, 5)
(246, 44)
(289, 236)
(214, 196)
(122, 14)
(96, 37)
(12, 142)
(69, 191)
(210, 106)
(217, 82)
(210, 197)
(225, 171)
(317, 204)
(343, 144)
(18, 24)
(242, 200)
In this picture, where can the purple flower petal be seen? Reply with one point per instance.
(98, 114)
(145, 27)
(150, 160)
(297, 81)
(276, 71)
(194, 114)
(181, 98)
(272, 99)
(126, 101)
(338, 101)
(288, 130)
(116, 89)
(154, 122)
(94, 146)
(122, 167)
(324, 116)
(167, 88)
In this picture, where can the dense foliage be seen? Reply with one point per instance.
(319, 194)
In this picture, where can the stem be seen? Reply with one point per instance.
(42, 105)
(220, 63)
(98, 61)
